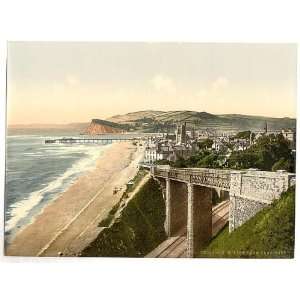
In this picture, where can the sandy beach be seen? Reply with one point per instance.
(70, 222)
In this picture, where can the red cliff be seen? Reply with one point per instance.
(102, 127)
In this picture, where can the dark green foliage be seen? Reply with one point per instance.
(205, 144)
(163, 162)
(243, 134)
(263, 155)
(243, 159)
(138, 231)
(283, 164)
(202, 159)
(209, 161)
(269, 234)
(107, 221)
(180, 163)
(136, 180)
(269, 153)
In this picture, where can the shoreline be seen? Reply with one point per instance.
(30, 219)
(78, 210)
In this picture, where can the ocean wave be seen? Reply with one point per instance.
(21, 209)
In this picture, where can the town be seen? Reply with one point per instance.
(187, 142)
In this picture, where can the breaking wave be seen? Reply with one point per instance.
(21, 210)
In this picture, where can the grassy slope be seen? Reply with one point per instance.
(138, 231)
(204, 119)
(269, 234)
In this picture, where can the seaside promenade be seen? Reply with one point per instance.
(70, 222)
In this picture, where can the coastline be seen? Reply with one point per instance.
(41, 193)
(70, 222)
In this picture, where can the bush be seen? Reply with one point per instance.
(264, 154)
(282, 164)
(243, 134)
(209, 161)
(205, 144)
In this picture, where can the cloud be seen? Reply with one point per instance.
(213, 89)
(220, 83)
(163, 83)
(72, 80)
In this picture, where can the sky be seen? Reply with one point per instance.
(66, 82)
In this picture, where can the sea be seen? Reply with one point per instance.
(36, 173)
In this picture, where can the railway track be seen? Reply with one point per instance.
(175, 247)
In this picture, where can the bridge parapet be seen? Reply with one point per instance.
(214, 178)
(252, 190)
(262, 186)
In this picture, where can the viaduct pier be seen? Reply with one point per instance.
(188, 198)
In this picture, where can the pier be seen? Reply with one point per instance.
(90, 140)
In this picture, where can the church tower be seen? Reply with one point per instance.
(181, 134)
(266, 127)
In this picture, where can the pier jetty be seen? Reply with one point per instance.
(90, 140)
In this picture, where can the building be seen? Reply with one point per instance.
(191, 134)
(180, 151)
(158, 152)
(266, 128)
(290, 135)
(181, 134)
(241, 144)
(218, 145)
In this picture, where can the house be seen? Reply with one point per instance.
(290, 135)
(218, 145)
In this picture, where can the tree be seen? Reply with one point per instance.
(205, 144)
(242, 160)
(180, 163)
(281, 164)
(209, 161)
(243, 134)
(264, 154)
(163, 162)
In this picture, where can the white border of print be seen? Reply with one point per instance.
(133, 20)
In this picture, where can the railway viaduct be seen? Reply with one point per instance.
(188, 197)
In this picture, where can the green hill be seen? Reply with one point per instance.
(258, 122)
(269, 234)
(150, 120)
